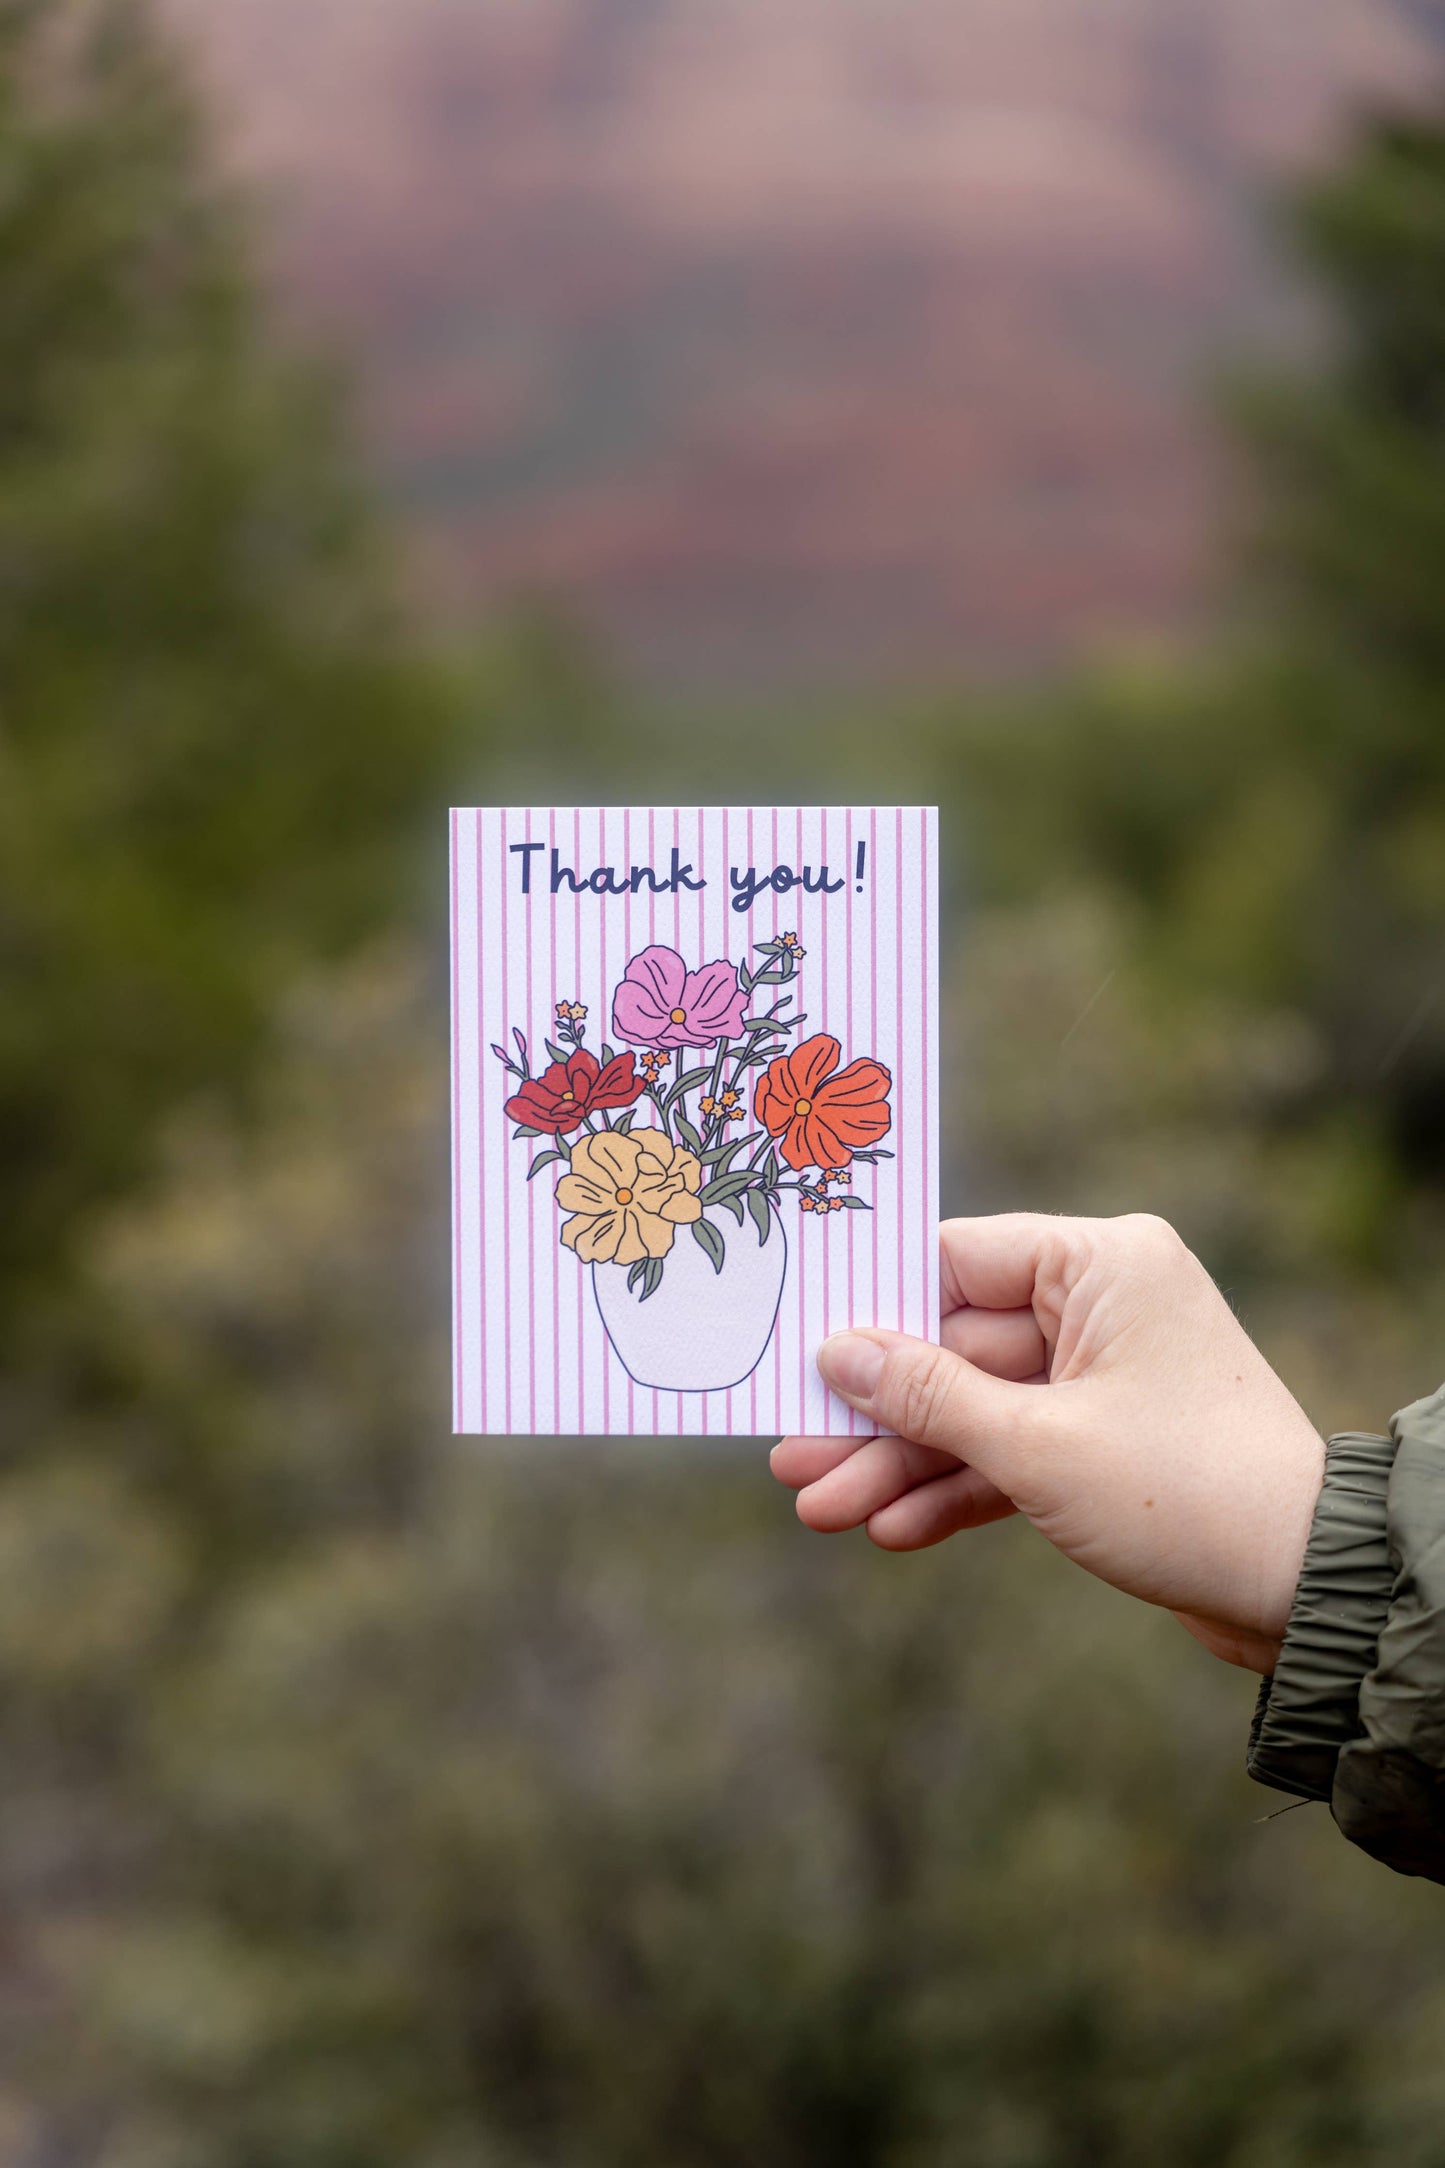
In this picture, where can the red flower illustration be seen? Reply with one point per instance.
(821, 1118)
(558, 1098)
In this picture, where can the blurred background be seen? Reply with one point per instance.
(1036, 406)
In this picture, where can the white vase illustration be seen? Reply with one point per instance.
(701, 1330)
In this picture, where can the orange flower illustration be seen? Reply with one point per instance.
(822, 1119)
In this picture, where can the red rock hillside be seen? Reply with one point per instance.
(795, 339)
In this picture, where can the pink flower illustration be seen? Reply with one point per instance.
(660, 1003)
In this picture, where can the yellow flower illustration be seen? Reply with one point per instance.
(629, 1195)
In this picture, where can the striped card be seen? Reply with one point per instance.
(694, 1110)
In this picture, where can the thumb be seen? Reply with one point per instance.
(934, 1397)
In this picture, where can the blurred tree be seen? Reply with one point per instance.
(1352, 459)
(1351, 528)
(215, 738)
(1250, 846)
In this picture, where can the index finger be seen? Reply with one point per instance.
(994, 1262)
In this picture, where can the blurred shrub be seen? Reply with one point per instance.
(565, 1803)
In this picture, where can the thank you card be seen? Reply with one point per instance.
(694, 1110)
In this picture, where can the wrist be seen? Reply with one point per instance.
(1284, 1515)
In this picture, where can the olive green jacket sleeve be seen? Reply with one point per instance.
(1355, 1712)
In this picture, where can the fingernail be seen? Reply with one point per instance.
(851, 1365)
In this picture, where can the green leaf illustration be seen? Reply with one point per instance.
(543, 1159)
(723, 1186)
(651, 1278)
(687, 1133)
(706, 1236)
(761, 1213)
(722, 1156)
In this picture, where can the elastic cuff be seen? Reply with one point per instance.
(1309, 1710)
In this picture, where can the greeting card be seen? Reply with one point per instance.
(694, 1110)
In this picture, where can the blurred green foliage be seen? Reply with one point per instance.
(216, 740)
(373, 1801)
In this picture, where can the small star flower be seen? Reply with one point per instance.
(807, 1202)
(577, 1011)
(563, 1012)
(789, 941)
(839, 1174)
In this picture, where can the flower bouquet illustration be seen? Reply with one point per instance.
(660, 1149)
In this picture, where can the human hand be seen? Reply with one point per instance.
(1091, 1377)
